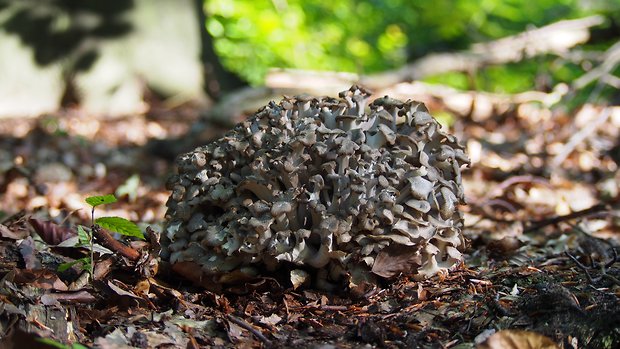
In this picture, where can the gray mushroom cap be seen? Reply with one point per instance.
(334, 184)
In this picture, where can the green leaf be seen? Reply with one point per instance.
(52, 343)
(65, 266)
(55, 344)
(120, 225)
(83, 236)
(95, 201)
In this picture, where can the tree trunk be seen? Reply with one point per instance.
(217, 79)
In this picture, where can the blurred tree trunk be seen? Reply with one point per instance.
(217, 79)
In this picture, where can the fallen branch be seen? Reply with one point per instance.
(556, 38)
(573, 215)
(108, 241)
(611, 59)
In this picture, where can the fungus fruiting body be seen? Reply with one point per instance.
(330, 184)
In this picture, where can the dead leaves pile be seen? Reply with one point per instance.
(543, 182)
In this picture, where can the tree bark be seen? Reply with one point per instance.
(217, 80)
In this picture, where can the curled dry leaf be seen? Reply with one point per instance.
(50, 232)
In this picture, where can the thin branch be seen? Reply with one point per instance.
(573, 215)
(250, 328)
(555, 38)
(582, 267)
(108, 241)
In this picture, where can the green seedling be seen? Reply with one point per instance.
(85, 235)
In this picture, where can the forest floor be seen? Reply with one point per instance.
(541, 268)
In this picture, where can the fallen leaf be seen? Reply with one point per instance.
(7, 233)
(517, 339)
(121, 291)
(193, 272)
(82, 296)
(52, 233)
(299, 277)
(40, 278)
(28, 252)
(396, 259)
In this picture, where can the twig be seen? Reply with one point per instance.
(499, 189)
(614, 254)
(585, 270)
(558, 219)
(610, 62)
(582, 267)
(250, 328)
(108, 241)
(334, 307)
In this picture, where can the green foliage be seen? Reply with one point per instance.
(95, 201)
(120, 225)
(84, 262)
(367, 36)
(53, 343)
(83, 236)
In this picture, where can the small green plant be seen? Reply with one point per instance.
(85, 235)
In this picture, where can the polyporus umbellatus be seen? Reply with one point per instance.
(321, 184)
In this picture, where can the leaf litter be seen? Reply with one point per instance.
(541, 269)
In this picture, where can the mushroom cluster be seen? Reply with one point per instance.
(335, 185)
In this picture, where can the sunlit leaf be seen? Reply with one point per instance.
(83, 236)
(95, 201)
(120, 225)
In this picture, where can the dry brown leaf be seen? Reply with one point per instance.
(120, 291)
(39, 278)
(68, 298)
(395, 259)
(8, 233)
(193, 272)
(517, 339)
(28, 252)
(52, 233)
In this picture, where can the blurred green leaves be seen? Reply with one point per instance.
(366, 36)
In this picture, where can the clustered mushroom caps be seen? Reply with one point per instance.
(322, 183)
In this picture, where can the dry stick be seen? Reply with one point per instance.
(610, 62)
(582, 267)
(515, 48)
(250, 328)
(108, 241)
(558, 219)
(590, 278)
